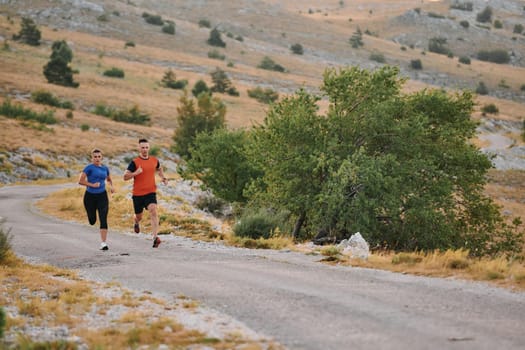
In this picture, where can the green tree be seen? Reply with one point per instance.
(221, 82)
(57, 70)
(286, 147)
(215, 38)
(219, 160)
(398, 168)
(199, 87)
(29, 33)
(297, 49)
(357, 39)
(169, 78)
(206, 115)
(485, 15)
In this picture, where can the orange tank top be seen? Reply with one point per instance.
(144, 183)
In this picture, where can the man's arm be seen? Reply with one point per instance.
(161, 174)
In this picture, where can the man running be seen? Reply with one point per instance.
(142, 170)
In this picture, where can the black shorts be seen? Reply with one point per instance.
(141, 202)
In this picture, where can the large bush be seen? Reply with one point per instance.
(400, 168)
(255, 225)
(496, 56)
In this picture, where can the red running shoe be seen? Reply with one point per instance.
(136, 227)
(156, 242)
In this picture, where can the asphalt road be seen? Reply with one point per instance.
(301, 303)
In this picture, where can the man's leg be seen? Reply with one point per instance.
(152, 208)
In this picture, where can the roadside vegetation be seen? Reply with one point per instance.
(99, 316)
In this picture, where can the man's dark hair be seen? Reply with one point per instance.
(143, 140)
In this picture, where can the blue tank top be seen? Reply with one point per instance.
(96, 174)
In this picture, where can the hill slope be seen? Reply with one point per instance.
(98, 31)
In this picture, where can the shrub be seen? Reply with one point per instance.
(84, 127)
(467, 6)
(215, 38)
(378, 57)
(200, 87)
(485, 15)
(269, 64)
(221, 81)
(114, 73)
(178, 84)
(129, 43)
(490, 108)
(211, 204)
(204, 23)
(297, 49)
(435, 15)
(357, 39)
(169, 28)
(498, 24)
(153, 19)
(416, 64)
(47, 98)
(29, 33)
(482, 89)
(464, 24)
(503, 84)
(464, 59)
(518, 28)
(132, 115)
(263, 95)
(5, 244)
(17, 111)
(522, 87)
(216, 55)
(438, 45)
(495, 56)
(232, 91)
(256, 225)
(103, 18)
(169, 80)
(69, 115)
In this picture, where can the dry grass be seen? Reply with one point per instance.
(45, 296)
(457, 264)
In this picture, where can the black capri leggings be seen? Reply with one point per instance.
(94, 202)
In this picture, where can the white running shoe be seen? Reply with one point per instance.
(104, 246)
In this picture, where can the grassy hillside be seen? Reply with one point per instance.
(98, 30)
